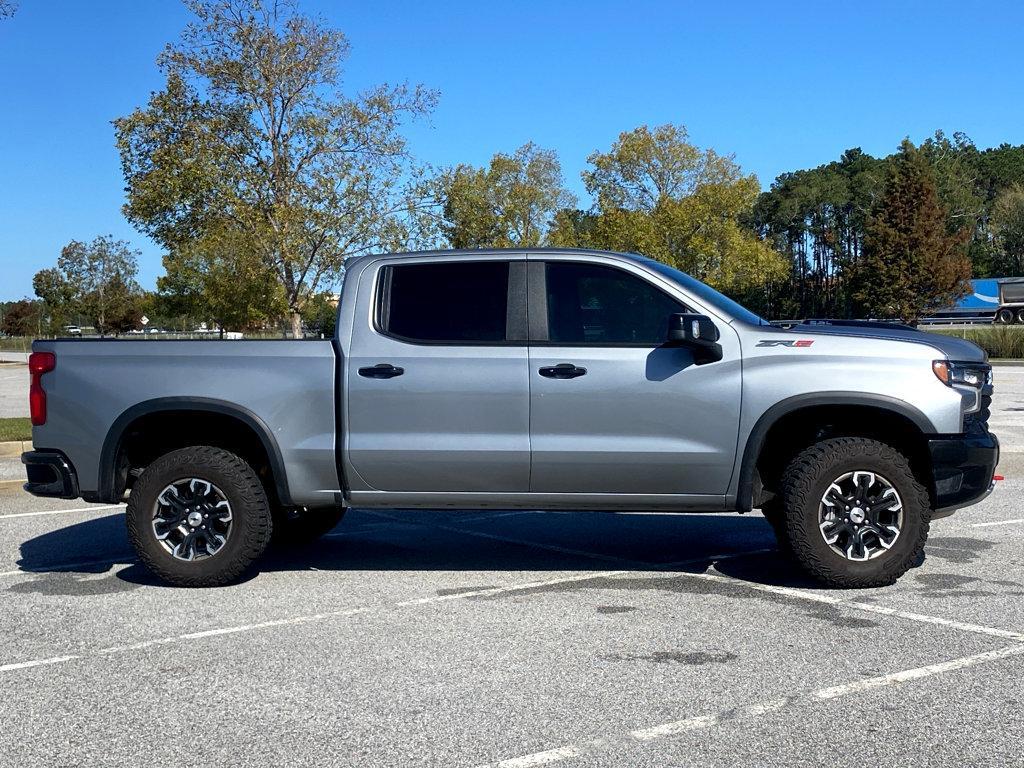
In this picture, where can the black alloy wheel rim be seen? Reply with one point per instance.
(860, 515)
(192, 519)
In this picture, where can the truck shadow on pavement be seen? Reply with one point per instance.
(90, 557)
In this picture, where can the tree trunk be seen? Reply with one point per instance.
(296, 325)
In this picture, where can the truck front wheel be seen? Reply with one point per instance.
(856, 516)
(199, 517)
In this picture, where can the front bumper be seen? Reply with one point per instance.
(962, 468)
(50, 474)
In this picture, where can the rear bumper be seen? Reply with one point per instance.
(50, 474)
(963, 466)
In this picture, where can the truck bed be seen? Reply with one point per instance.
(286, 387)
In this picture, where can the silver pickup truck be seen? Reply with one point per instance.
(551, 379)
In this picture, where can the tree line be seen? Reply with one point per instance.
(259, 175)
(838, 226)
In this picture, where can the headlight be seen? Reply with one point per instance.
(972, 375)
(973, 381)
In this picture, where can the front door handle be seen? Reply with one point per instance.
(381, 371)
(562, 371)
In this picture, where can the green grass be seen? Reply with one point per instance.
(15, 344)
(15, 429)
(997, 341)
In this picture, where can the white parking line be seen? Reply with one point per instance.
(57, 512)
(833, 600)
(37, 663)
(660, 569)
(59, 567)
(998, 523)
(806, 595)
(704, 721)
(303, 619)
(550, 756)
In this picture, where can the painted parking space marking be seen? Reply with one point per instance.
(303, 619)
(125, 559)
(833, 600)
(997, 523)
(806, 595)
(59, 512)
(705, 721)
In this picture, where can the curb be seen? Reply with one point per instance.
(9, 449)
(12, 484)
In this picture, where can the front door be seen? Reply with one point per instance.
(438, 386)
(614, 410)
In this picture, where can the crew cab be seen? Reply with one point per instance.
(539, 379)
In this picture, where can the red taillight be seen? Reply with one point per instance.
(38, 364)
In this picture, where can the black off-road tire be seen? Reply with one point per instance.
(251, 524)
(1005, 316)
(809, 476)
(306, 527)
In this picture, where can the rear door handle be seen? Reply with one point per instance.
(562, 371)
(381, 371)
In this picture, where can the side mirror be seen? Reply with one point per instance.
(698, 332)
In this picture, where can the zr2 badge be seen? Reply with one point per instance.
(785, 343)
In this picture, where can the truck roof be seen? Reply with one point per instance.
(469, 253)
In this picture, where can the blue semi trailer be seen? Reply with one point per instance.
(992, 300)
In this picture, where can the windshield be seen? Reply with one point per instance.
(708, 294)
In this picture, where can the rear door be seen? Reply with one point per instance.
(614, 410)
(438, 382)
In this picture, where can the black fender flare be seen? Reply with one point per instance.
(756, 438)
(112, 442)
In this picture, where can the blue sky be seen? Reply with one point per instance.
(781, 85)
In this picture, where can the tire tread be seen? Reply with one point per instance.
(251, 502)
(805, 472)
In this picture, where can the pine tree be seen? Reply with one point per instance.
(912, 265)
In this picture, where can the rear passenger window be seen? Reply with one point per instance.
(446, 302)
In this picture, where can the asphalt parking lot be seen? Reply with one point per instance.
(518, 639)
(513, 638)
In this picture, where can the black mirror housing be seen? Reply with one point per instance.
(698, 332)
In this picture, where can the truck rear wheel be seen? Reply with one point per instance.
(1005, 316)
(199, 517)
(855, 514)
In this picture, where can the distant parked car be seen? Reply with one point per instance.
(72, 331)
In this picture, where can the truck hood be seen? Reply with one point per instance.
(950, 346)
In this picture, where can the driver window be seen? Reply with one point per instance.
(590, 304)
